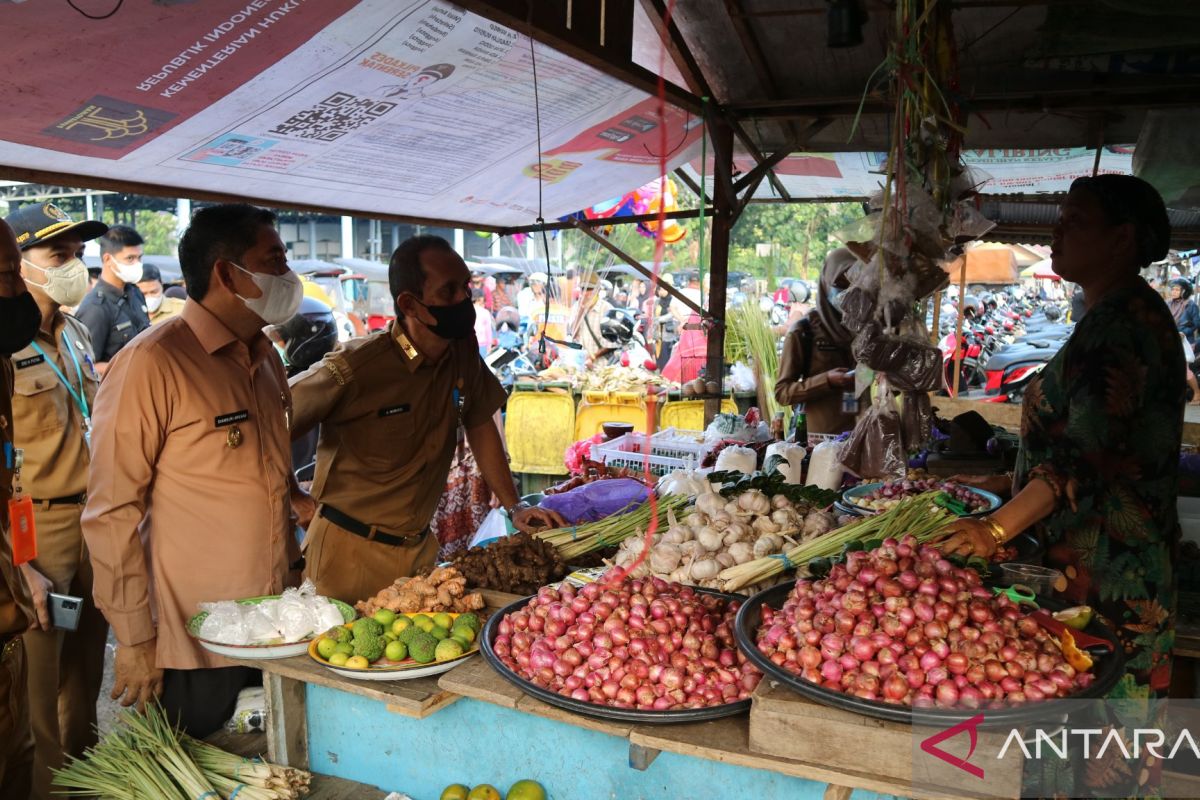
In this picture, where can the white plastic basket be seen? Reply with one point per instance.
(815, 439)
(670, 449)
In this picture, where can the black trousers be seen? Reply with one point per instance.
(200, 701)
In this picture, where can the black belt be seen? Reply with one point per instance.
(371, 532)
(68, 500)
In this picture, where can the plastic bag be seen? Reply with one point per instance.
(494, 526)
(596, 500)
(737, 459)
(916, 421)
(824, 468)
(250, 713)
(874, 449)
(911, 365)
(741, 378)
(725, 427)
(225, 623)
(786, 458)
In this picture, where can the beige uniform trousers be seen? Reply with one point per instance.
(16, 741)
(66, 668)
(351, 568)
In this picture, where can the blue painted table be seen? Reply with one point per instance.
(470, 726)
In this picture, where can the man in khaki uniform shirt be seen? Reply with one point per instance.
(389, 406)
(19, 320)
(191, 467)
(158, 306)
(55, 387)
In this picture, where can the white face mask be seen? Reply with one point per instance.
(66, 284)
(153, 302)
(281, 295)
(130, 273)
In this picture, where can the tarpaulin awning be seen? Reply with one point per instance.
(1042, 270)
(995, 264)
(410, 109)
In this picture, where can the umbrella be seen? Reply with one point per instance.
(1042, 270)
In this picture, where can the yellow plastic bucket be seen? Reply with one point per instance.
(597, 408)
(688, 415)
(539, 427)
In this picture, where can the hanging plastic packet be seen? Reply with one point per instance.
(20, 512)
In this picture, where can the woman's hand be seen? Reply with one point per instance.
(968, 537)
(996, 484)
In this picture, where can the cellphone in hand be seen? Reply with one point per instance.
(65, 611)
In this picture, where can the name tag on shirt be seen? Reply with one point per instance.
(826, 346)
(29, 362)
(392, 411)
(232, 417)
(123, 325)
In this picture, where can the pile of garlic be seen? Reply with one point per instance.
(719, 533)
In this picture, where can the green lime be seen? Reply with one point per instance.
(463, 632)
(384, 616)
(344, 647)
(395, 651)
(326, 647)
(447, 649)
(438, 632)
(526, 790)
(339, 659)
(423, 622)
(443, 619)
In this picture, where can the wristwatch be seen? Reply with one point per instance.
(520, 505)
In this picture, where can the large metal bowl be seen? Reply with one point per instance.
(591, 709)
(1108, 671)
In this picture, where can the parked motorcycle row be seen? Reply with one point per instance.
(1006, 341)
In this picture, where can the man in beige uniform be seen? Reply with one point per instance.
(19, 320)
(389, 406)
(158, 306)
(191, 467)
(587, 317)
(55, 387)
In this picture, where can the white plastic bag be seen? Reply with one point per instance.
(494, 526)
(824, 469)
(790, 461)
(741, 378)
(737, 459)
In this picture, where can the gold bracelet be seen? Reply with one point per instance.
(996, 529)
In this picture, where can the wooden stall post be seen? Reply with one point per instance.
(724, 216)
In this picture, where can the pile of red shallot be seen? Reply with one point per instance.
(644, 644)
(901, 624)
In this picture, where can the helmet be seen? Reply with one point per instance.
(618, 326)
(1185, 286)
(798, 292)
(1052, 312)
(508, 316)
(308, 335)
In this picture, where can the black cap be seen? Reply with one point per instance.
(36, 223)
(150, 273)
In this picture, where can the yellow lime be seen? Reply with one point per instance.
(443, 619)
(396, 651)
(423, 622)
(1076, 617)
(484, 791)
(455, 791)
(400, 624)
(526, 790)
(339, 659)
(326, 647)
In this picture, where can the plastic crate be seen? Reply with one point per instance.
(815, 439)
(670, 449)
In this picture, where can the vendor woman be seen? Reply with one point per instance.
(389, 406)
(1100, 432)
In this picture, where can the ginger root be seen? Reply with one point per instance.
(441, 590)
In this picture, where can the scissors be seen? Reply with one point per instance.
(1019, 593)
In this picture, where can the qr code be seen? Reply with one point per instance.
(333, 118)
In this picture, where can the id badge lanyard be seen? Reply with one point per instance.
(79, 397)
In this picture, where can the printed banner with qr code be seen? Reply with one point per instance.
(403, 107)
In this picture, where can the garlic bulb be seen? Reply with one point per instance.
(732, 535)
(664, 558)
(710, 504)
(783, 517)
(754, 501)
(768, 544)
(780, 501)
(711, 540)
(740, 552)
(725, 559)
(765, 525)
(704, 569)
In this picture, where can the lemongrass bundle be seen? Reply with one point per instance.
(576, 540)
(915, 515)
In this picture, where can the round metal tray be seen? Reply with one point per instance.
(850, 496)
(591, 709)
(1108, 671)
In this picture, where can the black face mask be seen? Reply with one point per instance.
(19, 322)
(453, 322)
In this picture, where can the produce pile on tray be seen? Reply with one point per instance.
(293, 616)
(443, 589)
(722, 532)
(901, 624)
(892, 492)
(610, 378)
(644, 644)
(518, 564)
(391, 639)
